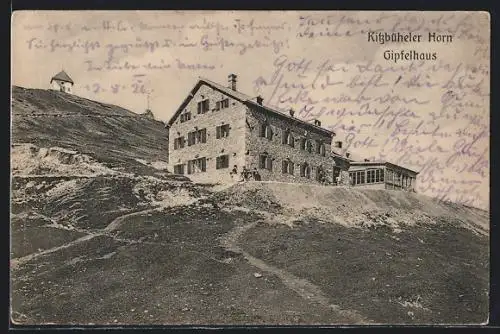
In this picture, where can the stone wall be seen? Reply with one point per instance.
(233, 145)
(277, 151)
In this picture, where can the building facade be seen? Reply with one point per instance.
(218, 129)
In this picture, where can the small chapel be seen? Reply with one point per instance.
(62, 82)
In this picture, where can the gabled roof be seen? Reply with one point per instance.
(244, 98)
(63, 76)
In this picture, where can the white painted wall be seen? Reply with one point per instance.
(62, 86)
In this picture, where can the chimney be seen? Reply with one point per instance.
(232, 81)
(338, 144)
(317, 122)
(367, 160)
(292, 112)
(347, 155)
(259, 99)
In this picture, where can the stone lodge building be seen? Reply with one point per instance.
(217, 128)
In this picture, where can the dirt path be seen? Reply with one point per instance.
(302, 287)
(14, 263)
(117, 222)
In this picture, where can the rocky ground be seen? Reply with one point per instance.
(111, 238)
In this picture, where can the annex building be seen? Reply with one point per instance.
(217, 129)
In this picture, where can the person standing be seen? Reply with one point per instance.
(256, 175)
(234, 172)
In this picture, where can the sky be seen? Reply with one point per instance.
(428, 111)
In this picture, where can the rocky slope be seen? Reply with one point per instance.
(108, 133)
(101, 233)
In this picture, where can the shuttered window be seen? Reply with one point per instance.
(222, 162)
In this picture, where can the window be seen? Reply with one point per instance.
(381, 175)
(179, 169)
(191, 138)
(197, 165)
(222, 162)
(305, 170)
(196, 137)
(203, 106)
(357, 177)
(185, 117)
(374, 175)
(320, 148)
(303, 144)
(201, 136)
(265, 162)
(397, 178)
(389, 175)
(222, 104)
(370, 176)
(309, 146)
(306, 145)
(266, 131)
(287, 167)
(179, 143)
(288, 138)
(222, 131)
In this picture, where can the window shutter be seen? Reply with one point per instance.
(217, 129)
(284, 167)
(263, 130)
(204, 135)
(269, 163)
(203, 164)
(290, 166)
(269, 132)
